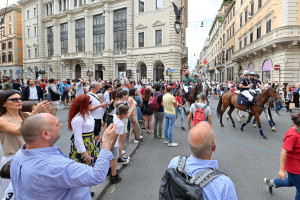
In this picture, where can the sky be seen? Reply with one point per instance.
(199, 10)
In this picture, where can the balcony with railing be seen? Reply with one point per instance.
(279, 35)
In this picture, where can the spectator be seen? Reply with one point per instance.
(202, 144)
(17, 85)
(64, 89)
(135, 131)
(147, 112)
(80, 121)
(143, 90)
(43, 85)
(169, 104)
(179, 109)
(139, 104)
(8, 85)
(32, 92)
(62, 178)
(201, 104)
(79, 87)
(289, 99)
(289, 160)
(106, 97)
(296, 95)
(54, 93)
(158, 114)
(138, 86)
(96, 108)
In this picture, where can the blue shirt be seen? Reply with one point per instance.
(220, 188)
(46, 173)
(62, 88)
(296, 89)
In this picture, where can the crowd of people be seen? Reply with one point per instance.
(101, 114)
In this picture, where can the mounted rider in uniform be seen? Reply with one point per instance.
(196, 79)
(186, 82)
(260, 86)
(245, 86)
(253, 81)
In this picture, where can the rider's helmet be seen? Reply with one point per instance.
(257, 75)
(252, 74)
(186, 73)
(246, 72)
(195, 74)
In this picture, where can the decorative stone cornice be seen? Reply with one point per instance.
(140, 26)
(158, 23)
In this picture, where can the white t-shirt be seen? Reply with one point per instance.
(200, 105)
(138, 87)
(119, 128)
(106, 97)
(80, 126)
(97, 113)
(33, 93)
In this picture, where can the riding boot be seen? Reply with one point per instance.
(248, 107)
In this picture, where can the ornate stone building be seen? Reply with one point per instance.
(103, 39)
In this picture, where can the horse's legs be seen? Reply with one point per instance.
(269, 120)
(224, 107)
(229, 114)
(245, 123)
(259, 126)
(270, 115)
(238, 115)
(254, 122)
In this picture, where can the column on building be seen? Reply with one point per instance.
(109, 41)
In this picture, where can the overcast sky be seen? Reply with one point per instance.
(198, 10)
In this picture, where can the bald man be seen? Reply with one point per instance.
(202, 144)
(40, 170)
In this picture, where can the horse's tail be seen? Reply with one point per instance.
(219, 107)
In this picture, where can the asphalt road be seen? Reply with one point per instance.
(244, 156)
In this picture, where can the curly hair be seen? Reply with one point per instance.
(79, 105)
(296, 119)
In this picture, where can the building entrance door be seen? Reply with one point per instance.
(77, 71)
(159, 70)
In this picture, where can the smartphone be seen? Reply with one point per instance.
(109, 120)
(46, 97)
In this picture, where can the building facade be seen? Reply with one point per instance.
(261, 34)
(11, 53)
(103, 39)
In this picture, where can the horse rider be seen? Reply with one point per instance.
(259, 86)
(245, 86)
(196, 79)
(187, 81)
(253, 81)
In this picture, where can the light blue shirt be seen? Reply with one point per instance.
(220, 188)
(46, 173)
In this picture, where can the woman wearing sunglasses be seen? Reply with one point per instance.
(11, 118)
(80, 121)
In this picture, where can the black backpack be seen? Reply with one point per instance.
(177, 185)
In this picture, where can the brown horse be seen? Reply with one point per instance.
(192, 96)
(229, 99)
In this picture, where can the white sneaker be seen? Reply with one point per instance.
(173, 144)
(135, 141)
(123, 152)
(166, 142)
(141, 137)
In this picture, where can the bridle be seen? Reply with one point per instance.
(272, 97)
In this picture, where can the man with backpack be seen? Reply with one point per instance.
(205, 181)
(199, 112)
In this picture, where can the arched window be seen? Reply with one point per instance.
(250, 67)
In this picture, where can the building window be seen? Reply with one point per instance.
(9, 18)
(259, 4)
(3, 31)
(35, 31)
(240, 44)
(233, 29)
(233, 11)
(268, 26)
(28, 32)
(64, 37)
(3, 46)
(47, 9)
(241, 20)
(242, 2)
(141, 40)
(10, 57)
(4, 58)
(224, 40)
(258, 32)
(27, 14)
(99, 33)
(80, 35)
(50, 9)
(120, 30)
(245, 41)
(35, 52)
(10, 45)
(246, 15)
(158, 38)
(159, 4)
(141, 5)
(75, 3)
(251, 37)
(60, 6)
(50, 41)
(34, 12)
(252, 8)
(28, 53)
(9, 29)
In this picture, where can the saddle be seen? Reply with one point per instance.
(242, 100)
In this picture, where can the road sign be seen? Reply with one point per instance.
(18, 71)
(138, 71)
(277, 67)
(184, 69)
(171, 70)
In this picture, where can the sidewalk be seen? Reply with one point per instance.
(101, 189)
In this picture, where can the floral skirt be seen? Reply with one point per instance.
(91, 149)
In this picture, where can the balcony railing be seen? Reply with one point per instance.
(282, 34)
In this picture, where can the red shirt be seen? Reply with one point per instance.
(142, 91)
(232, 90)
(174, 86)
(292, 144)
(43, 86)
(178, 99)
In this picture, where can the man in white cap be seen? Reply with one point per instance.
(245, 86)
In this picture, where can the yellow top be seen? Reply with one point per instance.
(169, 101)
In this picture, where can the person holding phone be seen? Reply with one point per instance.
(81, 122)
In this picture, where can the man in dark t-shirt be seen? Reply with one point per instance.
(158, 114)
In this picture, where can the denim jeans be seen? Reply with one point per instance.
(278, 106)
(169, 125)
(180, 110)
(139, 113)
(290, 181)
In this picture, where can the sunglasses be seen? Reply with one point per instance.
(90, 103)
(15, 100)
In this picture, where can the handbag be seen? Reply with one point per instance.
(292, 105)
(5, 170)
